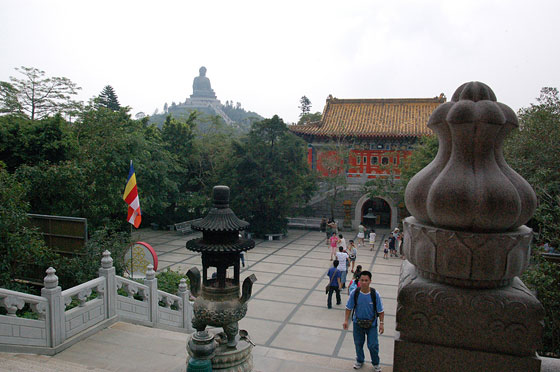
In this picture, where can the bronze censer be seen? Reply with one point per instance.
(219, 302)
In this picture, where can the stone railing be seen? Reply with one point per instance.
(66, 317)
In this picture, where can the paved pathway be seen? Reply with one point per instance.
(287, 317)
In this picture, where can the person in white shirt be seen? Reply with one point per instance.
(342, 241)
(371, 240)
(342, 258)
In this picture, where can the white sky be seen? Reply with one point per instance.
(267, 54)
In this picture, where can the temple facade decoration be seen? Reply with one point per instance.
(377, 135)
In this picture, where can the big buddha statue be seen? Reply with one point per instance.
(201, 86)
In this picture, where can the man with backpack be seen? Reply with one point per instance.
(365, 306)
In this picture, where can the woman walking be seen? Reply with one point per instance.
(361, 235)
(333, 240)
(352, 253)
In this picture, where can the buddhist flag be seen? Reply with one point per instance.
(130, 196)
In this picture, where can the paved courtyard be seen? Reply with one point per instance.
(287, 317)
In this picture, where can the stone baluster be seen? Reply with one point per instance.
(107, 270)
(56, 332)
(151, 282)
(184, 293)
(461, 304)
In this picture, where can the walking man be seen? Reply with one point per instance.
(342, 258)
(365, 306)
(334, 284)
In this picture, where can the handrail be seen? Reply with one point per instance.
(29, 298)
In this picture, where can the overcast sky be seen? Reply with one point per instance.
(267, 54)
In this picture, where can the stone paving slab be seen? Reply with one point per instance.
(287, 317)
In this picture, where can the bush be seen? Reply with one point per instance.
(543, 277)
(72, 271)
(168, 281)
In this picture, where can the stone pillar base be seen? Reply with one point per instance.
(411, 356)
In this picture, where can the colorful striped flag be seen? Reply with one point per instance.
(130, 196)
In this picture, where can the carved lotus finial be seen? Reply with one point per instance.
(106, 260)
(469, 186)
(51, 280)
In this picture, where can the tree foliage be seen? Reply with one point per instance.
(18, 243)
(108, 99)
(335, 162)
(269, 176)
(309, 118)
(38, 96)
(534, 152)
(304, 105)
(9, 103)
(30, 142)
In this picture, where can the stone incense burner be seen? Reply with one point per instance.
(218, 301)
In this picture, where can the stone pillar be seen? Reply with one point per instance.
(461, 305)
(55, 315)
(108, 271)
(184, 293)
(153, 298)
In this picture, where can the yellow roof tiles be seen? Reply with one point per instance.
(396, 117)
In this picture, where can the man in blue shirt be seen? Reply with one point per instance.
(334, 284)
(364, 310)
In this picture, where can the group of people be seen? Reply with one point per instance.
(364, 306)
(393, 244)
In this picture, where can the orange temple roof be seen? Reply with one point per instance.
(394, 117)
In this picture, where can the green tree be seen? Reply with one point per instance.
(23, 141)
(9, 103)
(534, 152)
(268, 175)
(304, 105)
(18, 243)
(335, 162)
(423, 153)
(39, 96)
(309, 118)
(108, 99)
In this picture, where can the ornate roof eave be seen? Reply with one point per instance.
(220, 219)
(198, 245)
(361, 135)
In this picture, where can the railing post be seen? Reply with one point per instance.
(108, 271)
(151, 282)
(55, 317)
(185, 294)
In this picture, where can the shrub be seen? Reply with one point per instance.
(168, 280)
(543, 278)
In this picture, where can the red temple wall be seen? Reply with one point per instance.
(372, 162)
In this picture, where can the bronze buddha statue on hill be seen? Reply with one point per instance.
(201, 86)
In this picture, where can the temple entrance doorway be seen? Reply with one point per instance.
(382, 211)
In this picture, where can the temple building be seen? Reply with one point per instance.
(377, 135)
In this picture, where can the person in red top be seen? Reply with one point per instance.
(333, 241)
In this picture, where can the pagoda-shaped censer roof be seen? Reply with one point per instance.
(220, 228)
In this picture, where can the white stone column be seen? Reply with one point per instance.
(151, 282)
(184, 293)
(56, 333)
(108, 271)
